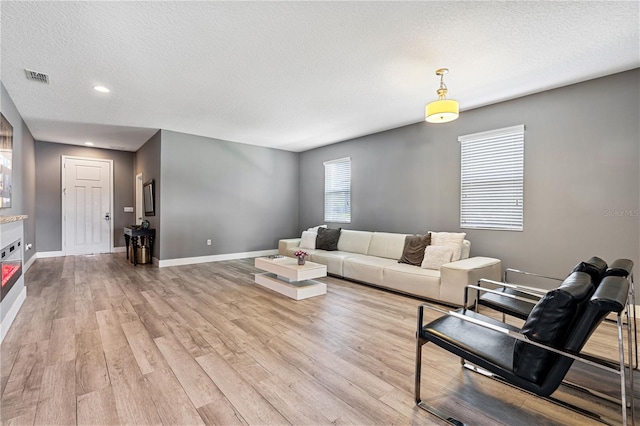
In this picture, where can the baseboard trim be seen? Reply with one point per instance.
(213, 258)
(45, 254)
(12, 313)
(119, 250)
(29, 262)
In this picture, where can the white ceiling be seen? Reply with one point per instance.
(292, 75)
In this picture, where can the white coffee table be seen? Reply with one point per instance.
(286, 277)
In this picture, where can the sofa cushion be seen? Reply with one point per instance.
(412, 280)
(328, 239)
(385, 244)
(452, 240)
(414, 246)
(291, 250)
(365, 268)
(354, 241)
(333, 260)
(436, 256)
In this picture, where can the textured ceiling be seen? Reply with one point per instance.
(292, 75)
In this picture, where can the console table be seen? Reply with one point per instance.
(133, 233)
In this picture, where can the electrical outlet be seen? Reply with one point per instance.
(208, 242)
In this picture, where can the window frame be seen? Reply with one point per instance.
(333, 186)
(498, 157)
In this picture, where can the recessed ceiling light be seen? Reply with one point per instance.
(88, 143)
(101, 89)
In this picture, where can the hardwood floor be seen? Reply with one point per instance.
(99, 341)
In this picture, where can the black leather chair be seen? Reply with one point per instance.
(518, 301)
(536, 357)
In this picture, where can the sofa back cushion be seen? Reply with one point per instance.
(354, 241)
(385, 244)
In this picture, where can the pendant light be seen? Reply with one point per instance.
(443, 110)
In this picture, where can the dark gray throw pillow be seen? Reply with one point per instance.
(327, 239)
(414, 246)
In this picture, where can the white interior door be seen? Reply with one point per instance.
(86, 206)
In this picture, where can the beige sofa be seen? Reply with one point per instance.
(372, 258)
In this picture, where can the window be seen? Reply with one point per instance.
(337, 190)
(492, 179)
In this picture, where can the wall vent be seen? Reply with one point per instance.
(37, 76)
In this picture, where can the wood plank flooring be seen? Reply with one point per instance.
(99, 341)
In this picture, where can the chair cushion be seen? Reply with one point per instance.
(548, 323)
(514, 307)
(595, 267)
(619, 268)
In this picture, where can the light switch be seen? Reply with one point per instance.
(128, 209)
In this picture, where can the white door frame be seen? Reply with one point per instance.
(63, 158)
(139, 204)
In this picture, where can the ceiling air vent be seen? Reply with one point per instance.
(37, 76)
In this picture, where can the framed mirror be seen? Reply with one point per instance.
(149, 198)
(6, 154)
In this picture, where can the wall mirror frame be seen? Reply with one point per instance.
(149, 198)
(6, 166)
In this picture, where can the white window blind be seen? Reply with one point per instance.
(492, 179)
(337, 190)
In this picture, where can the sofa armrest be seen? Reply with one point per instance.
(455, 276)
(284, 245)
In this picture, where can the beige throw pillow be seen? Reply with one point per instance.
(308, 240)
(436, 256)
(453, 240)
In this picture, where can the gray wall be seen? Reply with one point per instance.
(244, 198)
(147, 162)
(582, 177)
(23, 199)
(49, 183)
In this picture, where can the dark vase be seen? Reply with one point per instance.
(300, 260)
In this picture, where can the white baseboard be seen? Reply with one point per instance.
(29, 262)
(12, 313)
(213, 258)
(119, 250)
(45, 254)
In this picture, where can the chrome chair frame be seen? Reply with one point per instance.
(619, 370)
(537, 292)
